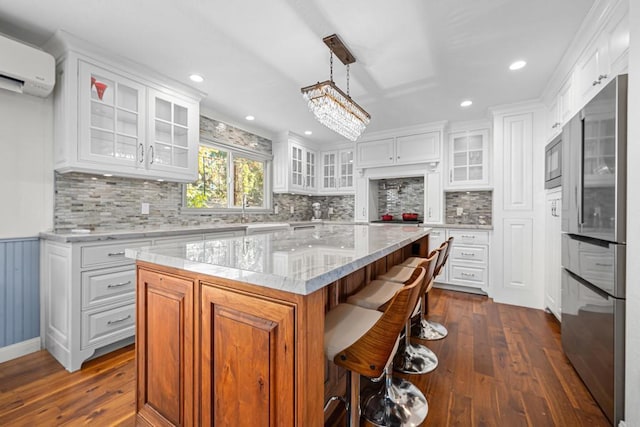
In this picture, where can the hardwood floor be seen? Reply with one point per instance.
(500, 366)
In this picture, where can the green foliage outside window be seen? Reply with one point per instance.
(211, 191)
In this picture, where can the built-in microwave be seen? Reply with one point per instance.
(553, 163)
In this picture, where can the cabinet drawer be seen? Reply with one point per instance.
(107, 326)
(111, 254)
(469, 253)
(108, 286)
(470, 237)
(469, 276)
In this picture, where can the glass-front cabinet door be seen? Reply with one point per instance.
(329, 170)
(346, 169)
(111, 117)
(310, 170)
(468, 158)
(172, 144)
(297, 173)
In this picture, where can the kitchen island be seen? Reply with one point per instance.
(230, 331)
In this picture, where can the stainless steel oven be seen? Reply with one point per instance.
(553, 163)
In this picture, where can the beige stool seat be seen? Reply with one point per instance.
(376, 294)
(360, 321)
(412, 262)
(397, 273)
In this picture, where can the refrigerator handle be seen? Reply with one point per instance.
(580, 184)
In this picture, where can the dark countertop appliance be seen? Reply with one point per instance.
(594, 191)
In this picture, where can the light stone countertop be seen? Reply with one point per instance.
(297, 261)
(161, 232)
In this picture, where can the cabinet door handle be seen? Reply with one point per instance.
(602, 76)
(595, 82)
(363, 212)
(390, 158)
(429, 212)
(141, 153)
(122, 319)
(118, 285)
(151, 151)
(115, 253)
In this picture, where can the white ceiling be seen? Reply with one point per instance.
(416, 59)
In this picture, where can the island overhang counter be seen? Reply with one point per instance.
(230, 331)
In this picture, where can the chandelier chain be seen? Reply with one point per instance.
(331, 65)
(348, 93)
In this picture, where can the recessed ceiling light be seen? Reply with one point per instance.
(196, 78)
(108, 175)
(517, 65)
(160, 180)
(307, 132)
(466, 103)
(250, 118)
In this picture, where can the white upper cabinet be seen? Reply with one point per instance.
(336, 171)
(606, 56)
(399, 150)
(375, 153)
(561, 109)
(295, 166)
(469, 159)
(173, 136)
(113, 116)
(423, 147)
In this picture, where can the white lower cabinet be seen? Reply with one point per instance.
(88, 294)
(553, 253)
(468, 265)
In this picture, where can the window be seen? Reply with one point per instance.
(225, 176)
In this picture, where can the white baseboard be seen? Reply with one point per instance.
(16, 350)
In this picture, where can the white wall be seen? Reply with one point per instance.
(26, 177)
(632, 394)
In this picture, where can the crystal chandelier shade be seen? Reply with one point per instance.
(336, 110)
(330, 105)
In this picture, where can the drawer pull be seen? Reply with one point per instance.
(117, 285)
(122, 319)
(467, 236)
(115, 253)
(467, 254)
(467, 274)
(603, 265)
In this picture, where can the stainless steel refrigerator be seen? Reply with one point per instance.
(594, 239)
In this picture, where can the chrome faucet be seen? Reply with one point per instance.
(244, 218)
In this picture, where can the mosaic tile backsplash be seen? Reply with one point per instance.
(109, 204)
(476, 207)
(401, 195)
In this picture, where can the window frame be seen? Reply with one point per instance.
(233, 152)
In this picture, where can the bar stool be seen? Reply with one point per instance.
(427, 329)
(412, 358)
(363, 342)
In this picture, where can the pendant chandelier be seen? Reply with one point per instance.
(330, 105)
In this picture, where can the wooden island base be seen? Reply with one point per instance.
(212, 351)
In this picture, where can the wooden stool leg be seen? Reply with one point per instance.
(353, 388)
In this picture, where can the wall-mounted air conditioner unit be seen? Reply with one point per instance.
(25, 69)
